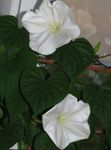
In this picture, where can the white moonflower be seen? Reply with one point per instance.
(50, 27)
(67, 122)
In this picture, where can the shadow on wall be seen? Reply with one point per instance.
(38, 3)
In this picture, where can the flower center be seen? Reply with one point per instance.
(61, 118)
(54, 26)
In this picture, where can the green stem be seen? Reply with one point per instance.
(3, 106)
(22, 145)
(37, 121)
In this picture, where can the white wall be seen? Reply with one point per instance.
(14, 6)
(11, 6)
(27, 5)
(5, 6)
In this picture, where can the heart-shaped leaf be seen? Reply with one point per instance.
(13, 37)
(41, 91)
(9, 82)
(99, 98)
(74, 57)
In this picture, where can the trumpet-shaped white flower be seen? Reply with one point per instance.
(67, 122)
(50, 27)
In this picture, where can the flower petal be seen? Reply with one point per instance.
(46, 43)
(34, 23)
(67, 122)
(62, 13)
(55, 132)
(80, 110)
(42, 43)
(72, 31)
(46, 10)
(76, 131)
(50, 27)
(60, 39)
(60, 10)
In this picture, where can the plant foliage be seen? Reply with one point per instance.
(26, 91)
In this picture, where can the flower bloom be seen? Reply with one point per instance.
(50, 27)
(67, 122)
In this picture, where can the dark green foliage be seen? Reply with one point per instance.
(43, 141)
(99, 98)
(30, 133)
(26, 92)
(1, 113)
(74, 57)
(12, 134)
(3, 56)
(43, 91)
(11, 36)
(9, 86)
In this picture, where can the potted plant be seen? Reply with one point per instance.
(52, 94)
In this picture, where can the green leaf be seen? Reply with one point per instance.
(9, 78)
(13, 37)
(93, 123)
(22, 145)
(108, 133)
(1, 113)
(99, 98)
(97, 142)
(71, 147)
(97, 47)
(3, 57)
(42, 142)
(11, 135)
(41, 91)
(74, 57)
(78, 83)
(31, 131)
(3, 79)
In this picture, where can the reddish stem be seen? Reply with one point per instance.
(99, 69)
(29, 148)
(46, 61)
